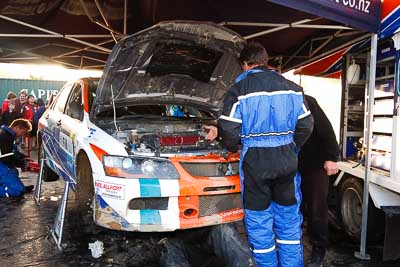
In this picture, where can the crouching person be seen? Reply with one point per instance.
(10, 158)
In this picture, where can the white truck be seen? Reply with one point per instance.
(370, 144)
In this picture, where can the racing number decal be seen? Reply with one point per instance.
(66, 143)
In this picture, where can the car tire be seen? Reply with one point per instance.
(80, 204)
(84, 190)
(48, 175)
(350, 210)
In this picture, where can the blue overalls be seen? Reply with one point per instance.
(10, 184)
(267, 108)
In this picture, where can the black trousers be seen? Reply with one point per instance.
(314, 187)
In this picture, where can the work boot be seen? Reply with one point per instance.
(317, 257)
(28, 188)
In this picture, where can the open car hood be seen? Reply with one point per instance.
(177, 60)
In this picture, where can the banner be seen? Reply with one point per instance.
(360, 14)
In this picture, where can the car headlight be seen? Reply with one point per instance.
(139, 167)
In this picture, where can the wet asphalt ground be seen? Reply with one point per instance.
(25, 241)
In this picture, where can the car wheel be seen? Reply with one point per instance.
(48, 175)
(80, 212)
(84, 190)
(351, 199)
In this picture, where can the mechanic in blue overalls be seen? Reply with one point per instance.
(268, 116)
(10, 158)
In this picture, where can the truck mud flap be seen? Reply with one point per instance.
(391, 248)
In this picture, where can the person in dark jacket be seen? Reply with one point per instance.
(39, 112)
(267, 115)
(10, 158)
(317, 160)
(10, 114)
(21, 100)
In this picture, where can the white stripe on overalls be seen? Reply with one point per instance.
(288, 242)
(264, 250)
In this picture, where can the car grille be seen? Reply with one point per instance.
(149, 203)
(211, 169)
(213, 204)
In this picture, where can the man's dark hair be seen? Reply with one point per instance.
(254, 54)
(40, 102)
(22, 123)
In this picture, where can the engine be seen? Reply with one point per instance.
(167, 140)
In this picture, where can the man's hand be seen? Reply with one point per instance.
(331, 167)
(212, 132)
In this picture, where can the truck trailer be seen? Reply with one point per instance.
(369, 134)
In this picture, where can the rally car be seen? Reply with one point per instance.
(137, 143)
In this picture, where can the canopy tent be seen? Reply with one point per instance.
(80, 34)
(330, 66)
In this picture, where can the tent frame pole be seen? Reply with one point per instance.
(55, 33)
(292, 25)
(368, 136)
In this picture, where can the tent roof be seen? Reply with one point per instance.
(81, 33)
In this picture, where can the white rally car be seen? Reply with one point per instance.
(137, 143)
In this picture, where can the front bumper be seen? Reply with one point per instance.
(197, 199)
(221, 209)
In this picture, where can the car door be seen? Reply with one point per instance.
(71, 126)
(51, 130)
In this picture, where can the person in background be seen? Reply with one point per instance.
(28, 111)
(268, 116)
(10, 114)
(317, 160)
(21, 101)
(10, 96)
(41, 109)
(11, 158)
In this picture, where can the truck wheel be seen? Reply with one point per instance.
(351, 198)
(84, 190)
(48, 174)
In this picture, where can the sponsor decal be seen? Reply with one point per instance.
(110, 190)
(91, 132)
(231, 213)
(359, 5)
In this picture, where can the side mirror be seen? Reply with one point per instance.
(75, 110)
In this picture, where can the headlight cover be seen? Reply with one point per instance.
(139, 167)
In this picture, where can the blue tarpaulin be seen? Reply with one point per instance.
(360, 14)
